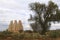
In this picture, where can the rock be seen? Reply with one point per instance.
(15, 26)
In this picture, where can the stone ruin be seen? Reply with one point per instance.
(15, 26)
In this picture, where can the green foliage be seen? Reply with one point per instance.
(28, 31)
(54, 34)
(44, 15)
(27, 35)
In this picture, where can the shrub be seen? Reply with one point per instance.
(54, 34)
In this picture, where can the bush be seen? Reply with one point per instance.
(54, 34)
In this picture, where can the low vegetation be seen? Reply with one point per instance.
(28, 35)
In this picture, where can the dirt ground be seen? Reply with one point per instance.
(33, 39)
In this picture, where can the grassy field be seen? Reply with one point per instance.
(28, 35)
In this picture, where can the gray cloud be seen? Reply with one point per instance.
(17, 10)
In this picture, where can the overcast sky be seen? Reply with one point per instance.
(19, 10)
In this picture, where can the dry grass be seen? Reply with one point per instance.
(29, 36)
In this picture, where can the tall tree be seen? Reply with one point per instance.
(44, 15)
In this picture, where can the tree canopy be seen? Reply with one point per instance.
(44, 15)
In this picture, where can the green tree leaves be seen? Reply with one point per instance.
(44, 15)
